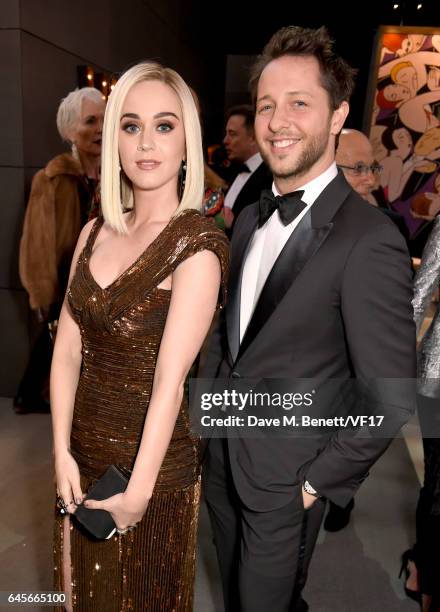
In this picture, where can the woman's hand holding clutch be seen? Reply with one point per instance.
(126, 511)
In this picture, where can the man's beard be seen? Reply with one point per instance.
(310, 155)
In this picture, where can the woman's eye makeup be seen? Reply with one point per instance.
(165, 126)
(134, 128)
(130, 128)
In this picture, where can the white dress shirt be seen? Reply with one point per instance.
(241, 179)
(268, 242)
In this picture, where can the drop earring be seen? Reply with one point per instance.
(182, 178)
(75, 153)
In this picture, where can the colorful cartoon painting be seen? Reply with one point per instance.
(403, 121)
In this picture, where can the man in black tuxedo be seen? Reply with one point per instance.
(242, 150)
(323, 295)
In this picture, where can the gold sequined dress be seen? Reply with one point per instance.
(151, 568)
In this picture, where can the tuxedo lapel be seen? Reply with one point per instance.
(250, 193)
(302, 245)
(240, 248)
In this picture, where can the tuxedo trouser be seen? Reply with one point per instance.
(263, 556)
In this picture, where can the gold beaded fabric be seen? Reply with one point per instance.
(151, 568)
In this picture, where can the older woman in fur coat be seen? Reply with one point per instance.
(64, 195)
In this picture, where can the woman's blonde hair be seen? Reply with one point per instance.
(116, 189)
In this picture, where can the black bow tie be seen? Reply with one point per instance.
(289, 206)
(242, 168)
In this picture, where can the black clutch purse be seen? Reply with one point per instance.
(99, 523)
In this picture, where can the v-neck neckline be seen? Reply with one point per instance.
(125, 272)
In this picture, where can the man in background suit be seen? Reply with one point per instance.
(354, 155)
(320, 289)
(242, 150)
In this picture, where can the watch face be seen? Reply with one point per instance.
(309, 489)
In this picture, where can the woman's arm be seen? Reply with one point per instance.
(64, 376)
(428, 275)
(195, 288)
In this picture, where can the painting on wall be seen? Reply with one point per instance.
(402, 119)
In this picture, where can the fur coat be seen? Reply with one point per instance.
(51, 228)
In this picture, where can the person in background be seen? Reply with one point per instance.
(355, 157)
(215, 188)
(421, 564)
(242, 149)
(64, 196)
(214, 200)
(217, 158)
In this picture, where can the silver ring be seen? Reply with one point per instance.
(61, 505)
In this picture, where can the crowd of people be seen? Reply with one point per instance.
(135, 250)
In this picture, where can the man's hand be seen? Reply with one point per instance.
(308, 500)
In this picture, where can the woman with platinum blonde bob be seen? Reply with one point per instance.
(143, 290)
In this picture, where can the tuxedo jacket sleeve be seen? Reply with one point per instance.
(216, 347)
(376, 291)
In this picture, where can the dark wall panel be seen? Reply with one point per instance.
(11, 220)
(49, 73)
(15, 343)
(10, 14)
(11, 147)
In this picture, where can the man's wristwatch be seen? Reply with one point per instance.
(309, 489)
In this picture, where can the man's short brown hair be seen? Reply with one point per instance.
(246, 111)
(337, 77)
